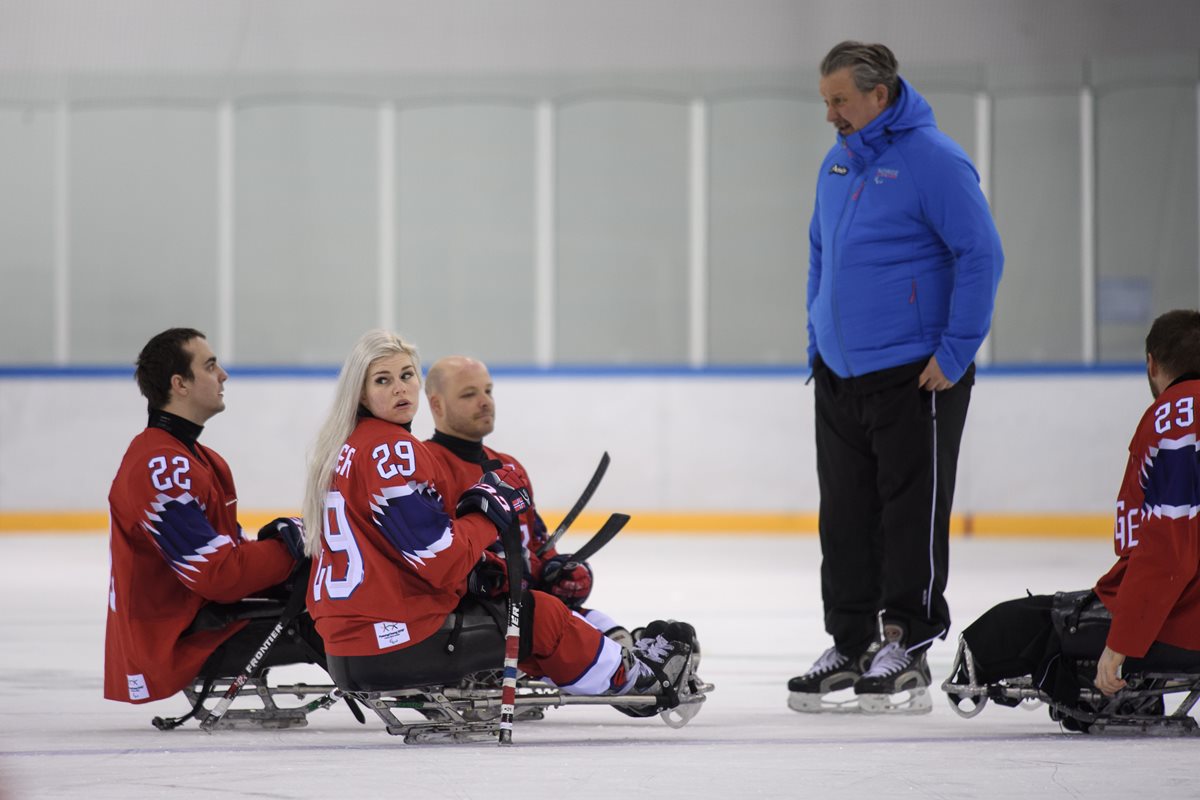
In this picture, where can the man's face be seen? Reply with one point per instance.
(202, 396)
(848, 109)
(465, 407)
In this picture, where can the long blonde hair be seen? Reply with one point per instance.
(340, 422)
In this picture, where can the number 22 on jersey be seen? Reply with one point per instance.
(177, 469)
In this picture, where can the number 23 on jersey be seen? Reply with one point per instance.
(1178, 414)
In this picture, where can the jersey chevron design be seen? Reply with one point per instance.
(411, 516)
(1169, 478)
(183, 533)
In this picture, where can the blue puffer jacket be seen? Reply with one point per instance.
(904, 259)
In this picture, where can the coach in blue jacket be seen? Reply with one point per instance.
(904, 263)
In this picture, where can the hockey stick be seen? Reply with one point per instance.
(588, 491)
(295, 605)
(515, 562)
(608, 530)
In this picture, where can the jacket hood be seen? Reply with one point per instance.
(909, 111)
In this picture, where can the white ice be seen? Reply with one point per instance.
(755, 603)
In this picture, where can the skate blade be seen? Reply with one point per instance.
(966, 705)
(691, 696)
(839, 702)
(908, 702)
(682, 714)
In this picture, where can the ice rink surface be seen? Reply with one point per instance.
(755, 603)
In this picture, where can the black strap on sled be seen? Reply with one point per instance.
(170, 723)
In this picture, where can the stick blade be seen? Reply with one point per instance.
(588, 491)
(611, 527)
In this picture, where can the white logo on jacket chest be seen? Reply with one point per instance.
(884, 174)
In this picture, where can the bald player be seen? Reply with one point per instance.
(464, 412)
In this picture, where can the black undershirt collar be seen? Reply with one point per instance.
(471, 452)
(182, 429)
(1187, 376)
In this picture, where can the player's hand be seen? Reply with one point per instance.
(1108, 672)
(489, 578)
(568, 580)
(289, 530)
(500, 496)
(932, 379)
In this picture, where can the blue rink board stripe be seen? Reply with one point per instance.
(39, 371)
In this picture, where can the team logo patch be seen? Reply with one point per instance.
(137, 687)
(884, 174)
(838, 169)
(390, 634)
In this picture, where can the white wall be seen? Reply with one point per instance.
(230, 37)
(1039, 444)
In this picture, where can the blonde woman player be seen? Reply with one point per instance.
(392, 564)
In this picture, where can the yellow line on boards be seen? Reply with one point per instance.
(53, 521)
(1097, 526)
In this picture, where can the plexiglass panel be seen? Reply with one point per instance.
(1035, 200)
(622, 232)
(465, 230)
(764, 153)
(141, 212)
(955, 115)
(27, 230)
(1147, 204)
(143, 204)
(306, 259)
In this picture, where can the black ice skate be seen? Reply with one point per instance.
(897, 682)
(660, 664)
(813, 692)
(683, 631)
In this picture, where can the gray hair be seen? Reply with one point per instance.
(870, 64)
(340, 422)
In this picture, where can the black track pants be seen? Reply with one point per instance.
(887, 453)
(1019, 637)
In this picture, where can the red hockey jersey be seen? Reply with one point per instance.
(393, 561)
(1153, 591)
(175, 545)
(463, 474)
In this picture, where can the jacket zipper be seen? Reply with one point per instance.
(834, 262)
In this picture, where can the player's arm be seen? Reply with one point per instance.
(203, 558)
(1166, 555)
(400, 482)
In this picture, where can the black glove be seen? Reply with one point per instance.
(569, 581)
(500, 496)
(489, 577)
(289, 530)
